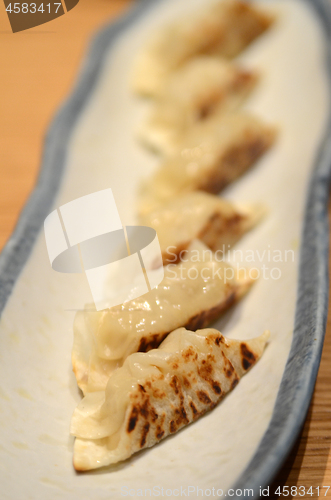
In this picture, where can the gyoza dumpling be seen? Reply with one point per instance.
(192, 294)
(157, 393)
(224, 28)
(216, 222)
(203, 86)
(212, 155)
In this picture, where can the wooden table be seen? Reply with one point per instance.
(37, 70)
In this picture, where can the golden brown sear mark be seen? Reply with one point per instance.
(217, 225)
(204, 398)
(154, 415)
(175, 384)
(157, 393)
(216, 387)
(144, 409)
(152, 342)
(144, 434)
(194, 410)
(186, 382)
(172, 426)
(206, 372)
(247, 357)
(181, 416)
(133, 419)
(189, 353)
(160, 430)
(233, 163)
(234, 383)
(202, 319)
(219, 340)
(228, 369)
(159, 433)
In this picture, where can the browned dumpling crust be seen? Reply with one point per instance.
(157, 393)
(216, 222)
(224, 28)
(193, 293)
(212, 155)
(202, 87)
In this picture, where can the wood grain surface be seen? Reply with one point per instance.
(37, 70)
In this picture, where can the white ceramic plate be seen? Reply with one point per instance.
(92, 146)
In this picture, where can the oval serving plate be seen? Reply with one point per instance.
(90, 146)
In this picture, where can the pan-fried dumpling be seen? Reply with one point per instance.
(198, 215)
(193, 293)
(224, 28)
(212, 155)
(157, 393)
(203, 86)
